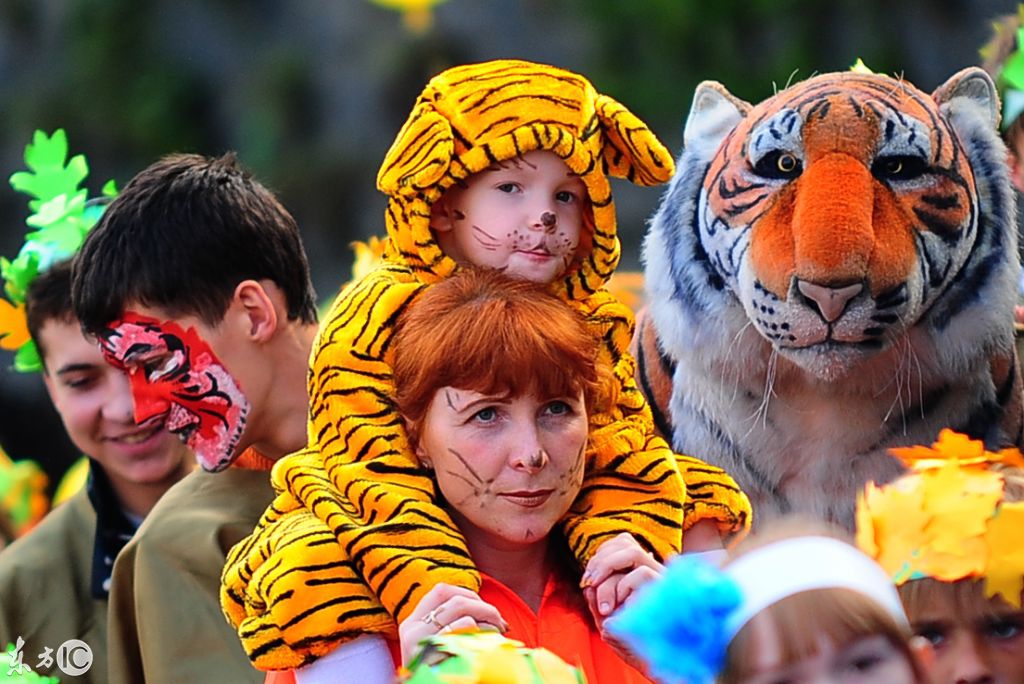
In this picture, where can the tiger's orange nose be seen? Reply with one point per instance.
(831, 301)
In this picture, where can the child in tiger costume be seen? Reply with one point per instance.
(832, 273)
(356, 492)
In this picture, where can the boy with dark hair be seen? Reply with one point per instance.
(54, 581)
(196, 283)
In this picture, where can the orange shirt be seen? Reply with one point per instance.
(562, 626)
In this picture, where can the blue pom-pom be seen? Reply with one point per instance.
(678, 624)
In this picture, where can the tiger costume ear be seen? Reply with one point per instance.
(714, 112)
(420, 154)
(975, 85)
(631, 149)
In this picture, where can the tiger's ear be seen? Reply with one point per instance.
(715, 112)
(631, 150)
(975, 85)
(420, 154)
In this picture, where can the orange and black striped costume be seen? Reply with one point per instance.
(355, 507)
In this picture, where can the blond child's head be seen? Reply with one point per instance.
(949, 533)
(505, 165)
(806, 606)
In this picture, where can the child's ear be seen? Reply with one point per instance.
(255, 301)
(440, 215)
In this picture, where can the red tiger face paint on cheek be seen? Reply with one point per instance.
(175, 373)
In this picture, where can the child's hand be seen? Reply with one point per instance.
(616, 570)
(702, 536)
(446, 608)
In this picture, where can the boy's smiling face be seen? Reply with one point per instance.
(524, 216)
(175, 374)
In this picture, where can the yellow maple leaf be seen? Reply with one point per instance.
(865, 537)
(1005, 572)
(960, 504)
(899, 517)
(368, 255)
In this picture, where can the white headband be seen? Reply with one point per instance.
(771, 573)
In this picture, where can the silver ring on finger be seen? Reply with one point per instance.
(431, 619)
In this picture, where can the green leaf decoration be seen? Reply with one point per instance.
(27, 359)
(49, 176)
(19, 273)
(859, 67)
(61, 214)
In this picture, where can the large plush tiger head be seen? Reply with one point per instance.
(471, 117)
(839, 214)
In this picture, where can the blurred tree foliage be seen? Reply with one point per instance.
(311, 93)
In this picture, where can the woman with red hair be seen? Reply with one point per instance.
(494, 381)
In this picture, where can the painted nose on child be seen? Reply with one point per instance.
(966, 654)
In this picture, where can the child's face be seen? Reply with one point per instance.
(868, 660)
(982, 641)
(94, 401)
(524, 216)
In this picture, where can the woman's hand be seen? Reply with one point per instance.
(615, 571)
(446, 608)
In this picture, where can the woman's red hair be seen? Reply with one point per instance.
(483, 331)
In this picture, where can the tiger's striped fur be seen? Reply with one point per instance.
(832, 273)
(292, 593)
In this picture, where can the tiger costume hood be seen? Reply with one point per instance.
(831, 273)
(471, 117)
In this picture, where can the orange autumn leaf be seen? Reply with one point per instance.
(13, 326)
(954, 445)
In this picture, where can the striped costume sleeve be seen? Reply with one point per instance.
(292, 593)
(634, 483)
(378, 501)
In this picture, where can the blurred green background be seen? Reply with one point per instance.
(311, 93)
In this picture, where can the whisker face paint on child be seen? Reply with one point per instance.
(523, 216)
(175, 373)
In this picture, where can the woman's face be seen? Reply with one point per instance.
(509, 467)
(868, 660)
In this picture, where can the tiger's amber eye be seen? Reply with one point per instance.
(786, 163)
(894, 167)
